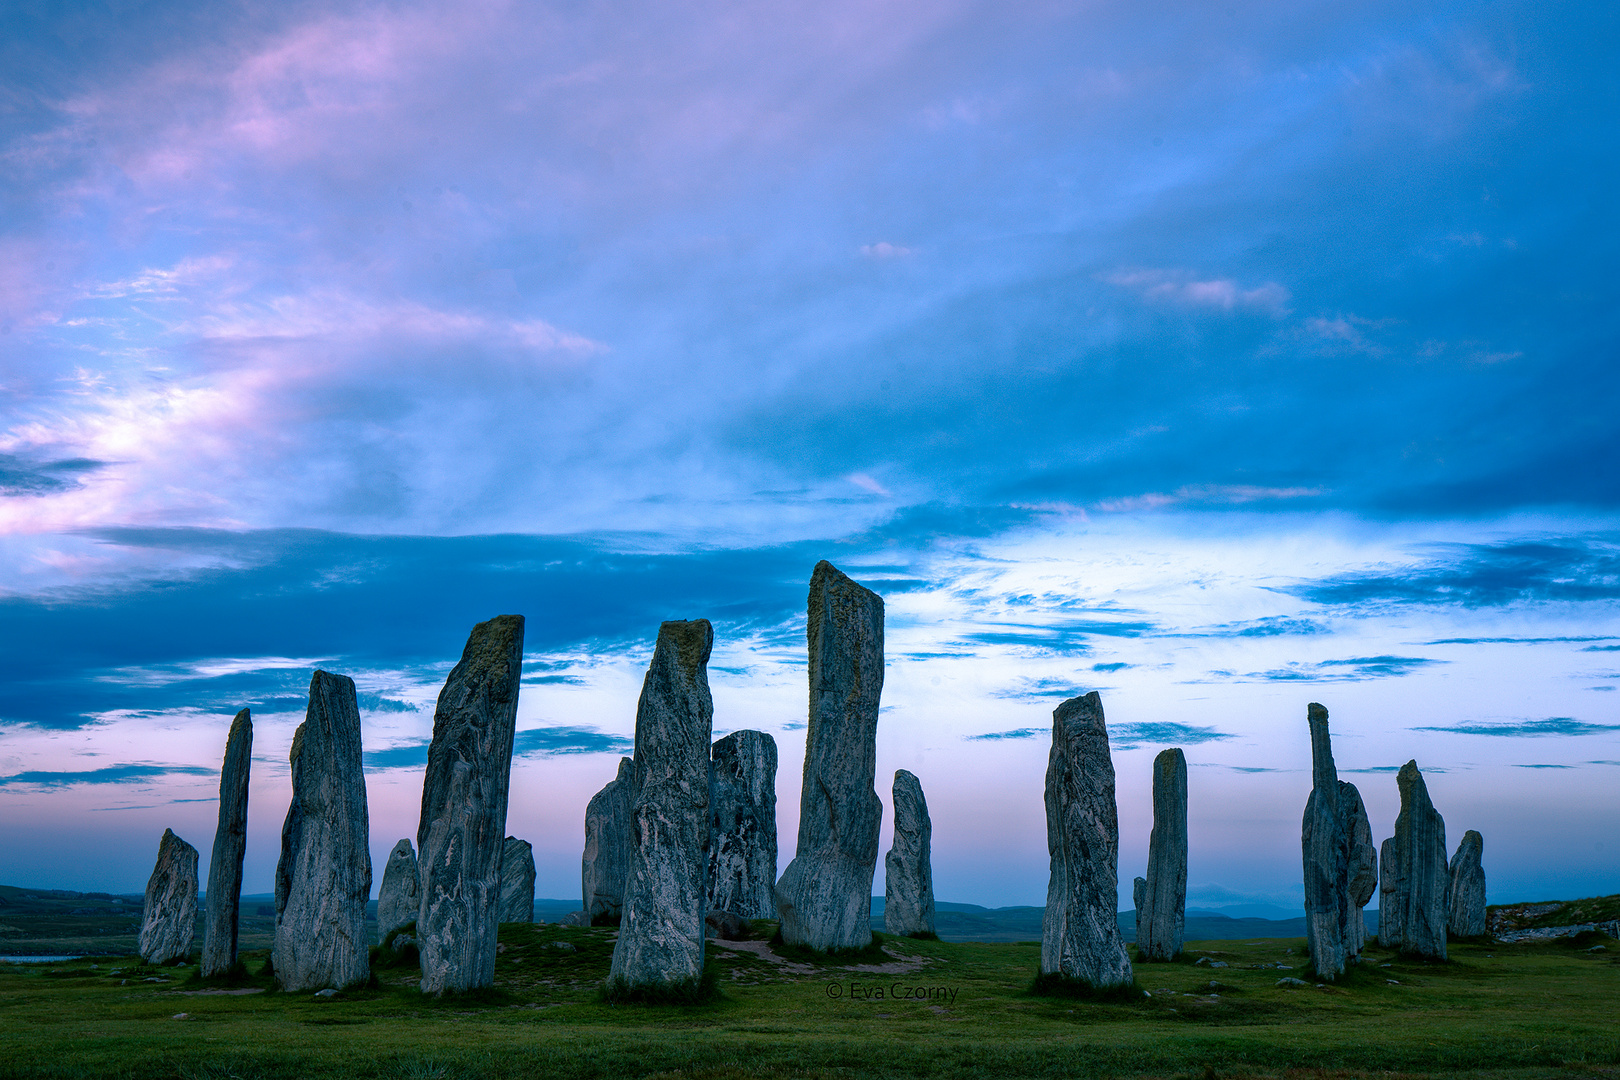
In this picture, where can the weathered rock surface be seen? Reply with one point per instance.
(220, 918)
(1362, 871)
(607, 848)
(825, 895)
(908, 882)
(725, 926)
(1162, 911)
(1468, 887)
(517, 881)
(399, 900)
(660, 939)
(169, 923)
(462, 833)
(742, 816)
(1391, 924)
(323, 879)
(1080, 930)
(1422, 876)
(1326, 850)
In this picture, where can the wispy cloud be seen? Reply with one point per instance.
(1481, 575)
(1163, 732)
(1182, 287)
(112, 774)
(1016, 733)
(1551, 726)
(553, 741)
(1353, 669)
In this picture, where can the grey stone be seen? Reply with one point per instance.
(1467, 918)
(1139, 901)
(1362, 868)
(461, 835)
(575, 918)
(1162, 910)
(1080, 929)
(742, 816)
(1390, 920)
(660, 939)
(230, 844)
(726, 926)
(825, 895)
(607, 847)
(1326, 851)
(399, 900)
(1422, 876)
(323, 878)
(169, 922)
(517, 881)
(1292, 983)
(908, 881)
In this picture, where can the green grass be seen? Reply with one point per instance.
(928, 1010)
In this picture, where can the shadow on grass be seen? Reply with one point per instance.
(870, 953)
(1055, 984)
(704, 990)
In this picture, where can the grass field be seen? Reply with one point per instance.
(932, 1009)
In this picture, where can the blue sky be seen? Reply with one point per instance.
(1219, 357)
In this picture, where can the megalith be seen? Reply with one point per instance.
(399, 900)
(1468, 887)
(607, 848)
(1390, 921)
(908, 873)
(169, 921)
(825, 895)
(462, 832)
(660, 939)
(1161, 914)
(742, 816)
(220, 918)
(1326, 850)
(517, 881)
(1080, 931)
(323, 879)
(1422, 876)
(1362, 872)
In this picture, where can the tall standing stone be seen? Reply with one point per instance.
(607, 848)
(825, 895)
(1161, 914)
(742, 817)
(1468, 887)
(169, 922)
(462, 832)
(1362, 871)
(660, 939)
(1080, 931)
(399, 900)
(323, 879)
(230, 844)
(908, 872)
(517, 881)
(1391, 920)
(1422, 876)
(1326, 851)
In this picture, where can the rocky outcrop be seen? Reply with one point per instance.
(230, 844)
(1080, 931)
(400, 897)
(1390, 914)
(1162, 910)
(825, 895)
(908, 881)
(1362, 868)
(660, 939)
(742, 816)
(323, 879)
(1326, 850)
(1467, 873)
(607, 848)
(462, 832)
(169, 923)
(517, 881)
(1422, 876)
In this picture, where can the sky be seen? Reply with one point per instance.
(1221, 358)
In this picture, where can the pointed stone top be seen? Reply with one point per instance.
(1315, 712)
(828, 576)
(692, 641)
(168, 835)
(1168, 762)
(627, 768)
(1474, 840)
(906, 778)
(492, 640)
(1324, 776)
(1084, 712)
(243, 719)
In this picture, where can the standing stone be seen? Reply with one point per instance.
(517, 881)
(1161, 915)
(742, 816)
(607, 848)
(462, 832)
(660, 939)
(1326, 851)
(323, 879)
(1391, 924)
(1139, 902)
(1468, 887)
(230, 844)
(169, 922)
(1080, 930)
(825, 895)
(400, 898)
(1422, 876)
(908, 882)
(1362, 871)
